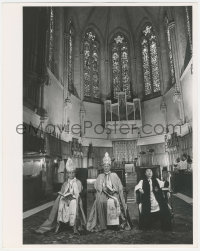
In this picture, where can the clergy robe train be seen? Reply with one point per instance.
(65, 210)
(106, 209)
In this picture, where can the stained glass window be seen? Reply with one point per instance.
(170, 54)
(188, 10)
(150, 61)
(70, 58)
(51, 39)
(91, 66)
(120, 65)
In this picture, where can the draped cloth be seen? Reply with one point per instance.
(66, 210)
(108, 208)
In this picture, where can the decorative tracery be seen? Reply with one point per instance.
(120, 65)
(91, 66)
(150, 61)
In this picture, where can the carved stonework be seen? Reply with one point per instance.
(177, 97)
(68, 103)
(171, 25)
(163, 106)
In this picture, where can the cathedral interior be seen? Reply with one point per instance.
(112, 79)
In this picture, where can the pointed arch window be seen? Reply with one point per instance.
(150, 62)
(91, 62)
(51, 32)
(120, 65)
(170, 53)
(188, 12)
(52, 45)
(69, 48)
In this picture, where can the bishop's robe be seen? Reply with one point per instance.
(66, 210)
(108, 209)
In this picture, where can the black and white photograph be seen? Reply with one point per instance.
(107, 129)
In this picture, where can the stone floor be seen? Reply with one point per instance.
(182, 231)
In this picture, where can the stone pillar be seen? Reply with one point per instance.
(82, 113)
(134, 77)
(163, 108)
(107, 79)
(178, 92)
(65, 78)
(81, 75)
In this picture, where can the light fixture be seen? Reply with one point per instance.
(68, 102)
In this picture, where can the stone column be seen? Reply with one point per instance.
(163, 108)
(134, 77)
(81, 74)
(65, 78)
(107, 79)
(178, 92)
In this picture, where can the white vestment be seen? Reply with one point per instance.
(67, 208)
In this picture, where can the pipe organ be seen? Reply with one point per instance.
(122, 114)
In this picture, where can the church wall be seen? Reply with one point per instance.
(53, 101)
(77, 63)
(73, 113)
(60, 45)
(181, 34)
(172, 108)
(165, 68)
(152, 117)
(94, 116)
(187, 90)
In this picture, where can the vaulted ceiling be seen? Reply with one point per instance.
(108, 19)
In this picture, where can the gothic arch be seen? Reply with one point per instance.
(140, 27)
(128, 36)
(120, 30)
(74, 20)
(165, 11)
(152, 86)
(97, 32)
(121, 75)
(157, 33)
